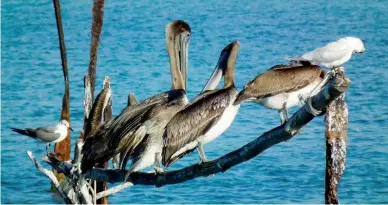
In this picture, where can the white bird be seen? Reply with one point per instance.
(47, 134)
(333, 54)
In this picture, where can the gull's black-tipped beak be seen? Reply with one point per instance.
(71, 129)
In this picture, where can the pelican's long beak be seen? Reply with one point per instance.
(71, 129)
(218, 72)
(183, 54)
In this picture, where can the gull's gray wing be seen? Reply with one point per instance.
(45, 134)
(47, 129)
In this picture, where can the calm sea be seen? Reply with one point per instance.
(133, 54)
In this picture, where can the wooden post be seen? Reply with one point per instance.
(336, 143)
(62, 149)
(90, 78)
(98, 13)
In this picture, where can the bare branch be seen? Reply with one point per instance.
(48, 173)
(113, 190)
(51, 176)
(335, 88)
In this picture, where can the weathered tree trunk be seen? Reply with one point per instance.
(62, 149)
(90, 79)
(336, 142)
(98, 13)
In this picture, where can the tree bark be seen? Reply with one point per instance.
(62, 149)
(336, 143)
(98, 13)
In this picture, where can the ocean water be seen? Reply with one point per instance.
(132, 53)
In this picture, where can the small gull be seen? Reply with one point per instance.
(47, 134)
(333, 54)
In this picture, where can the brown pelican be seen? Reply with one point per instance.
(137, 132)
(131, 101)
(47, 134)
(282, 87)
(207, 116)
(96, 113)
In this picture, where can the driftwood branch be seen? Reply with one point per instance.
(113, 190)
(52, 177)
(70, 190)
(336, 143)
(335, 88)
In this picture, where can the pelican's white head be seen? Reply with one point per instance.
(356, 43)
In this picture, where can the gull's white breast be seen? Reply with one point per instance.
(62, 130)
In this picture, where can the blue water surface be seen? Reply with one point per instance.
(133, 54)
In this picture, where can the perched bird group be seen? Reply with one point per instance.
(165, 127)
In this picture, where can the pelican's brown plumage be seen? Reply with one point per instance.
(206, 117)
(281, 87)
(136, 132)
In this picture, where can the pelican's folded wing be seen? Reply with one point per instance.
(191, 123)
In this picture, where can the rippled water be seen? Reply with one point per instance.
(133, 54)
